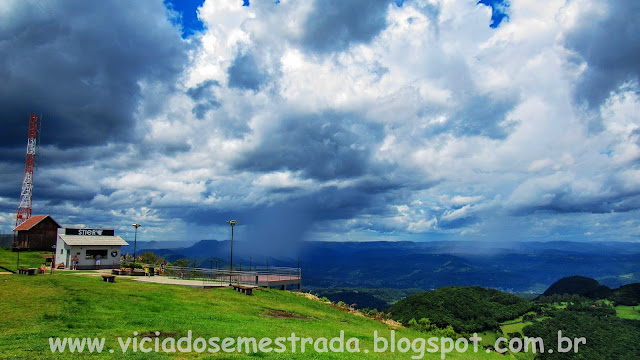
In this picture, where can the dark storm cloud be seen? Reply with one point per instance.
(58, 190)
(611, 48)
(11, 179)
(278, 229)
(459, 222)
(326, 146)
(79, 64)
(334, 25)
(245, 74)
(204, 98)
(202, 91)
(566, 201)
(285, 225)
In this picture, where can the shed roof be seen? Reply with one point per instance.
(81, 240)
(33, 221)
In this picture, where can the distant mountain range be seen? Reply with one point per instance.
(512, 267)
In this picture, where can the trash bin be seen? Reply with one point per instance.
(151, 271)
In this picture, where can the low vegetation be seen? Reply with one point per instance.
(366, 299)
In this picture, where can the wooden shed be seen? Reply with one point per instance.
(39, 232)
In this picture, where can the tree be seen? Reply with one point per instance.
(181, 263)
(149, 257)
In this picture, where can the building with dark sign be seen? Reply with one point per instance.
(38, 232)
(90, 246)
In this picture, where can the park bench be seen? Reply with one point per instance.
(109, 278)
(248, 290)
(27, 271)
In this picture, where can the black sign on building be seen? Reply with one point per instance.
(89, 232)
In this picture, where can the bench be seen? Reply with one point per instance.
(109, 278)
(247, 290)
(27, 271)
(137, 272)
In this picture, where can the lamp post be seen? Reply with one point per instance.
(232, 223)
(135, 241)
(53, 261)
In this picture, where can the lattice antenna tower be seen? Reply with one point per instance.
(24, 209)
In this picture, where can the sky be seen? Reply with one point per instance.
(332, 120)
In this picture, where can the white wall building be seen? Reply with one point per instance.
(87, 244)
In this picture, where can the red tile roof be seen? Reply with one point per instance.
(32, 221)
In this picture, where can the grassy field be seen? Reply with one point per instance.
(35, 308)
(8, 259)
(628, 312)
(515, 327)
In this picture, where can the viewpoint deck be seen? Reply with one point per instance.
(273, 277)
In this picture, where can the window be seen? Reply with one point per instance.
(90, 254)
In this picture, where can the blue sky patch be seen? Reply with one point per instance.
(499, 10)
(188, 10)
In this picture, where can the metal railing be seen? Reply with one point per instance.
(258, 277)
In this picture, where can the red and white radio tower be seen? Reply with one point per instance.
(24, 209)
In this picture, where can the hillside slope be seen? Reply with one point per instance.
(71, 305)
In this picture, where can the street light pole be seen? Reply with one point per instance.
(232, 223)
(135, 241)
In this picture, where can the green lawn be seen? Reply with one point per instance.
(35, 308)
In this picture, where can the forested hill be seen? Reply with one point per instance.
(590, 288)
(627, 295)
(578, 285)
(466, 309)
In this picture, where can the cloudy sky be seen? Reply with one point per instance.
(326, 120)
